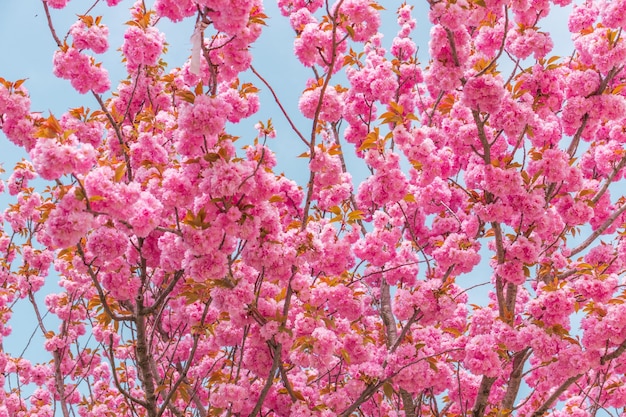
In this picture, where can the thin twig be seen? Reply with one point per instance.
(282, 109)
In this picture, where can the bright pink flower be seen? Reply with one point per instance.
(597, 49)
(441, 50)
(20, 177)
(142, 47)
(511, 271)
(57, 4)
(291, 6)
(52, 160)
(313, 46)
(362, 18)
(230, 17)
(489, 39)
(524, 249)
(106, 244)
(552, 306)
(148, 149)
(331, 107)
(457, 251)
(92, 36)
(175, 10)
(481, 357)
(82, 71)
(502, 182)
(206, 116)
(612, 14)
(483, 93)
(145, 214)
(574, 212)
(376, 81)
(68, 222)
(582, 16)
(523, 43)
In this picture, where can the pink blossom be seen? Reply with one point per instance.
(582, 16)
(612, 14)
(121, 284)
(142, 47)
(376, 81)
(145, 214)
(330, 109)
(502, 182)
(489, 39)
(290, 6)
(90, 36)
(148, 149)
(106, 243)
(440, 49)
(175, 10)
(233, 55)
(82, 71)
(582, 83)
(552, 306)
(457, 251)
(512, 271)
(596, 49)
(207, 116)
(524, 249)
(313, 46)
(52, 160)
(68, 222)
(230, 17)
(483, 93)
(362, 18)
(57, 4)
(331, 185)
(19, 179)
(481, 357)
(523, 43)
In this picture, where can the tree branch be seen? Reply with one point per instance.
(280, 105)
(539, 412)
(596, 233)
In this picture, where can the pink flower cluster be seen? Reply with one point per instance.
(175, 10)
(201, 123)
(361, 17)
(376, 81)
(332, 186)
(596, 49)
(387, 184)
(379, 246)
(15, 118)
(81, 70)
(316, 298)
(523, 43)
(331, 107)
(52, 159)
(67, 222)
(90, 35)
(230, 16)
(142, 47)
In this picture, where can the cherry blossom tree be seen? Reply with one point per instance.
(197, 280)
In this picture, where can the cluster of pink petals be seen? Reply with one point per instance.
(455, 264)
(94, 37)
(81, 70)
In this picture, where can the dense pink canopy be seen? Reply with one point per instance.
(470, 262)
